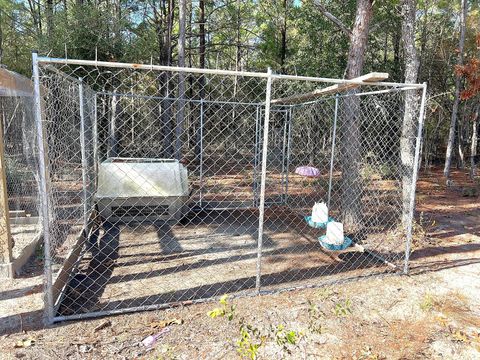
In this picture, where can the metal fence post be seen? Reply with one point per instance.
(255, 157)
(334, 133)
(83, 153)
(95, 138)
(201, 153)
(44, 201)
(289, 141)
(261, 216)
(284, 160)
(416, 162)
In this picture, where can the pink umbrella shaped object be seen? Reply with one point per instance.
(309, 171)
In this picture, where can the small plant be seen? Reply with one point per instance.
(325, 293)
(428, 303)
(315, 318)
(284, 338)
(225, 310)
(250, 342)
(343, 308)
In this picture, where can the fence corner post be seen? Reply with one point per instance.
(261, 216)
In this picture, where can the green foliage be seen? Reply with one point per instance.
(428, 303)
(251, 338)
(225, 310)
(343, 308)
(315, 318)
(284, 337)
(250, 342)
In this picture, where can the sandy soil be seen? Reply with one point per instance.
(432, 313)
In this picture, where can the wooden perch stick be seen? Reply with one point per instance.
(368, 78)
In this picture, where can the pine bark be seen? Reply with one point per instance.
(456, 101)
(182, 7)
(350, 128)
(408, 137)
(473, 145)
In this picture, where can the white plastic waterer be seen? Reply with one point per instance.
(320, 213)
(334, 233)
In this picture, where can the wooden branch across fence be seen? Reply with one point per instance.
(368, 78)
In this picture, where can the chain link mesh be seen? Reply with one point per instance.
(21, 169)
(155, 198)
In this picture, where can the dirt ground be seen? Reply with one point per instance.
(432, 313)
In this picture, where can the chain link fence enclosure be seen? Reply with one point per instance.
(21, 168)
(166, 186)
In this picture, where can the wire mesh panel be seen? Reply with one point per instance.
(353, 142)
(174, 185)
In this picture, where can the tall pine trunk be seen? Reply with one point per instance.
(453, 120)
(473, 146)
(350, 129)
(164, 23)
(201, 79)
(408, 137)
(182, 7)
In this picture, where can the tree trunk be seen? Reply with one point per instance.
(473, 148)
(234, 124)
(201, 79)
(350, 128)
(182, 7)
(453, 120)
(460, 138)
(202, 47)
(1, 39)
(164, 23)
(49, 16)
(408, 137)
(283, 45)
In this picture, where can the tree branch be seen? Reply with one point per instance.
(333, 19)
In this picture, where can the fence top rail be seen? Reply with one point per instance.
(95, 63)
